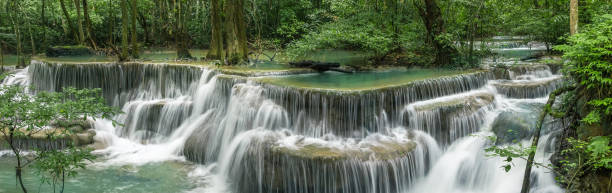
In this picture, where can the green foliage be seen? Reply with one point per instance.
(23, 115)
(589, 53)
(55, 166)
(509, 152)
(583, 156)
(349, 35)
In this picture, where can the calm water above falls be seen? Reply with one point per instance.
(188, 130)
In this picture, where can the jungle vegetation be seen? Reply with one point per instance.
(398, 32)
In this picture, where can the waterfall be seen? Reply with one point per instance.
(251, 136)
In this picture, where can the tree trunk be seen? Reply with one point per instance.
(10, 139)
(573, 17)
(124, 31)
(1, 58)
(32, 40)
(68, 21)
(43, 19)
(536, 137)
(17, 31)
(145, 26)
(216, 43)
(181, 41)
(88, 30)
(434, 24)
(134, 41)
(77, 5)
(235, 29)
(111, 24)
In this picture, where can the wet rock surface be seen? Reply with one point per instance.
(528, 88)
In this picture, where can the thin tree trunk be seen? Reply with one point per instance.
(124, 31)
(111, 23)
(17, 31)
(18, 169)
(77, 5)
(145, 27)
(134, 41)
(88, 30)
(44, 24)
(1, 58)
(573, 17)
(32, 40)
(68, 21)
(181, 45)
(216, 43)
(536, 137)
(434, 24)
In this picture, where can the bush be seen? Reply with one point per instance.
(590, 53)
(346, 35)
(78, 50)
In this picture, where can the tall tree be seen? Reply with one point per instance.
(434, 24)
(124, 31)
(134, 41)
(77, 5)
(88, 30)
(68, 20)
(216, 42)
(573, 17)
(181, 35)
(43, 19)
(13, 11)
(235, 32)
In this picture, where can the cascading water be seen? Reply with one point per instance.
(426, 136)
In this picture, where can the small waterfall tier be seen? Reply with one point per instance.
(451, 117)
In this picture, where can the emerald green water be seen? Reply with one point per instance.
(359, 80)
(9, 60)
(151, 178)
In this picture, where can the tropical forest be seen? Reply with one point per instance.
(306, 96)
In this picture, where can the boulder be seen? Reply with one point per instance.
(511, 127)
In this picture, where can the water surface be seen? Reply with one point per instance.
(360, 80)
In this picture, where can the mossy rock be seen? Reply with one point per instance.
(54, 138)
(383, 150)
(509, 128)
(470, 103)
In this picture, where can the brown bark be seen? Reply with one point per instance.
(434, 24)
(124, 31)
(235, 30)
(32, 44)
(182, 51)
(145, 26)
(88, 30)
(536, 137)
(43, 19)
(17, 31)
(68, 20)
(216, 44)
(77, 5)
(134, 41)
(573, 17)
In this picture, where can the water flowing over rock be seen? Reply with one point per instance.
(451, 117)
(262, 137)
(528, 88)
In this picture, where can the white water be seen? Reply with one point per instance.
(243, 124)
